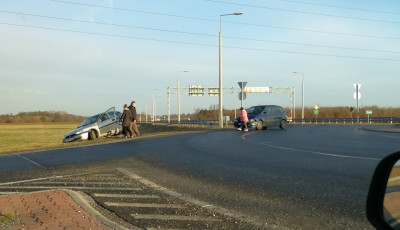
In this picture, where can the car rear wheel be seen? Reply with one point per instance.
(283, 124)
(259, 125)
(92, 135)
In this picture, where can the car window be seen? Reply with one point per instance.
(104, 117)
(255, 110)
(108, 114)
(111, 114)
(89, 120)
(276, 111)
(268, 110)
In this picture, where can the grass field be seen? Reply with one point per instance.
(28, 137)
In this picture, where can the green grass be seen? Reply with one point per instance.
(8, 220)
(29, 137)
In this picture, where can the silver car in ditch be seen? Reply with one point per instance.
(103, 124)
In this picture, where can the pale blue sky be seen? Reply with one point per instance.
(85, 56)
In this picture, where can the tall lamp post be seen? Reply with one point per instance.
(302, 97)
(179, 100)
(221, 115)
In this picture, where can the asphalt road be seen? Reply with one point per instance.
(301, 177)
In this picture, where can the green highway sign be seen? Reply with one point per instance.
(316, 112)
(368, 112)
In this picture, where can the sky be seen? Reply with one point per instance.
(85, 56)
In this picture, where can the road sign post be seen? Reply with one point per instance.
(316, 112)
(357, 96)
(368, 112)
(242, 96)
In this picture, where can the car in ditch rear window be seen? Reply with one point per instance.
(264, 116)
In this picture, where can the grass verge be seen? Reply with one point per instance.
(31, 137)
(26, 137)
(9, 220)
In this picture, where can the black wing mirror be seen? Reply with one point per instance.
(383, 202)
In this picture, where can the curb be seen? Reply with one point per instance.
(86, 202)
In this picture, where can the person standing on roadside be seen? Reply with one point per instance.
(244, 119)
(126, 120)
(134, 118)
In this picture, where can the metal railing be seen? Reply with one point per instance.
(363, 120)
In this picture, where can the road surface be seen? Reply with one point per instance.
(301, 177)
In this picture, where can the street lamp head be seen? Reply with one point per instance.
(236, 13)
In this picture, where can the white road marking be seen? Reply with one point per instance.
(79, 182)
(172, 217)
(143, 205)
(31, 180)
(394, 137)
(45, 178)
(310, 151)
(127, 196)
(214, 208)
(8, 193)
(35, 163)
(70, 187)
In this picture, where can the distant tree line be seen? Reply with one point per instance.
(212, 113)
(324, 112)
(41, 117)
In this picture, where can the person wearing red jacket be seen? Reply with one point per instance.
(244, 119)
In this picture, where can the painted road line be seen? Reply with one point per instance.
(47, 178)
(31, 180)
(173, 217)
(33, 162)
(218, 209)
(80, 182)
(8, 193)
(70, 187)
(310, 151)
(105, 175)
(143, 205)
(127, 196)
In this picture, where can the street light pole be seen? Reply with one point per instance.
(179, 100)
(221, 114)
(302, 97)
(153, 109)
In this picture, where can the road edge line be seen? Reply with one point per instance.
(221, 210)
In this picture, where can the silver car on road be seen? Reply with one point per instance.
(103, 124)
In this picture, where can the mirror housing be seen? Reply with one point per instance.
(377, 191)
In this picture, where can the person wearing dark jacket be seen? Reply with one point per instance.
(134, 118)
(126, 120)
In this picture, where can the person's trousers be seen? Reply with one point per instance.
(134, 128)
(126, 130)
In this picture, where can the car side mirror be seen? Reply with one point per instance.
(383, 202)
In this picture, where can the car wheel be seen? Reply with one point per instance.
(283, 124)
(92, 135)
(259, 125)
